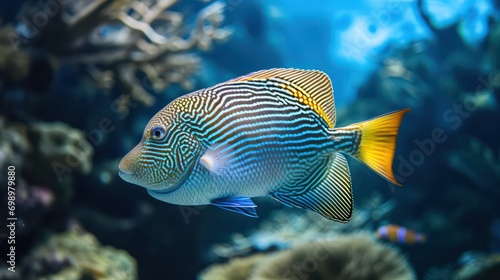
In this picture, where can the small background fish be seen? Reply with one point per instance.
(400, 235)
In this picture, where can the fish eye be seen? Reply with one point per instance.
(158, 133)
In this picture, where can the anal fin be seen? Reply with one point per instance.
(328, 194)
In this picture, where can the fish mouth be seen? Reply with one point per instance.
(170, 189)
(124, 174)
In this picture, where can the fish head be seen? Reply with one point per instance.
(163, 159)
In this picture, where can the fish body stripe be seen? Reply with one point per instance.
(401, 235)
(260, 122)
(347, 140)
(252, 119)
(247, 114)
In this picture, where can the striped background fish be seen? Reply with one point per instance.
(401, 235)
(269, 133)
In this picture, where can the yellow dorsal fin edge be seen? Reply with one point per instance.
(311, 87)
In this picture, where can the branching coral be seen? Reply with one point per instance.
(139, 46)
(353, 256)
(77, 255)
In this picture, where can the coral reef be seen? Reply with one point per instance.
(353, 256)
(76, 255)
(46, 157)
(131, 45)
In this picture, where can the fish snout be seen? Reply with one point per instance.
(123, 167)
(127, 166)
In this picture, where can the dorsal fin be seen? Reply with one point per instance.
(311, 87)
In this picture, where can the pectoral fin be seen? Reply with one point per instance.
(238, 204)
(328, 194)
(216, 158)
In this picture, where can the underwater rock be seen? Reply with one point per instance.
(352, 256)
(76, 255)
(133, 46)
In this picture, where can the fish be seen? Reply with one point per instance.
(267, 133)
(400, 235)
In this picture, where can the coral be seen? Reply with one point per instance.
(302, 227)
(237, 268)
(45, 145)
(14, 145)
(486, 266)
(58, 143)
(353, 256)
(137, 46)
(45, 156)
(77, 255)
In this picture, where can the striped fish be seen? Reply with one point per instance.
(401, 235)
(269, 133)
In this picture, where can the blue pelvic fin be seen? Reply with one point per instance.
(238, 204)
(327, 192)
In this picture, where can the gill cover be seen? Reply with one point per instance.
(185, 152)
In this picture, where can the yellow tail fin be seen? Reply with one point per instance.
(378, 142)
